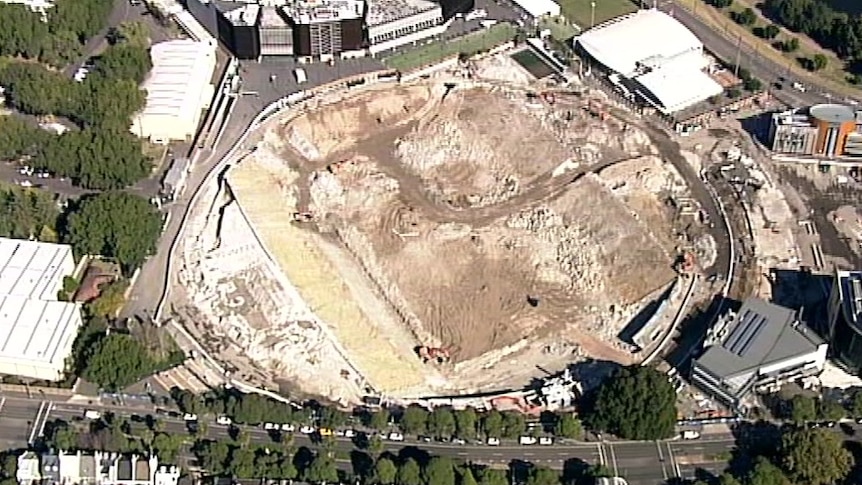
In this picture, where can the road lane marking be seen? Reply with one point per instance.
(2, 403)
(601, 454)
(674, 466)
(661, 460)
(613, 459)
(35, 427)
(45, 419)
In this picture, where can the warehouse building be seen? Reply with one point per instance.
(823, 130)
(844, 320)
(325, 29)
(652, 55)
(393, 23)
(759, 347)
(36, 329)
(179, 89)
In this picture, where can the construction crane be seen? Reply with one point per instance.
(435, 354)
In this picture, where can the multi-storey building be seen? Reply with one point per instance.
(823, 130)
(325, 29)
(393, 23)
(95, 468)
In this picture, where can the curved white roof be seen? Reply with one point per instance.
(182, 70)
(646, 35)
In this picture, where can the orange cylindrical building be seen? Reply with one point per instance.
(833, 122)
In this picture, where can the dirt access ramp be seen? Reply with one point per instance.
(332, 294)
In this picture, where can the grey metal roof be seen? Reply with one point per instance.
(833, 113)
(761, 334)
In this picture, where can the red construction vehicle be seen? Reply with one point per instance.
(435, 354)
(549, 97)
(686, 262)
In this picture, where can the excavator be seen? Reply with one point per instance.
(433, 354)
(685, 263)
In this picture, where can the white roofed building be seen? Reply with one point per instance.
(179, 88)
(539, 8)
(36, 329)
(393, 23)
(660, 58)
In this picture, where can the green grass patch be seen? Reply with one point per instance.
(437, 51)
(532, 63)
(578, 11)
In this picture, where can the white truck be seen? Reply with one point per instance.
(301, 77)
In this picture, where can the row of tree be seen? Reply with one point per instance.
(830, 28)
(55, 38)
(101, 154)
(802, 409)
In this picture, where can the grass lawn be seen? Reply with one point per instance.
(578, 11)
(560, 29)
(437, 51)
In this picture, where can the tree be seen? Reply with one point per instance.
(771, 31)
(567, 426)
(830, 410)
(819, 62)
(286, 469)
(439, 471)
(117, 361)
(441, 422)
(61, 436)
(465, 423)
(543, 476)
(321, 470)
(635, 403)
(802, 409)
(117, 225)
(745, 17)
(815, 456)
(765, 473)
(514, 424)
(25, 214)
(752, 84)
(104, 158)
(466, 476)
(166, 446)
(492, 476)
(375, 445)
(856, 404)
(492, 424)
(385, 471)
(134, 33)
(379, 420)
(331, 417)
(110, 300)
(414, 420)
(125, 61)
(728, 479)
(409, 473)
(720, 3)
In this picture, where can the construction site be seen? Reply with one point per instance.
(440, 237)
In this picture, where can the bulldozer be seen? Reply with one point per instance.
(433, 354)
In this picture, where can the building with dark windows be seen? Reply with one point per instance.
(276, 34)
(393, 23)
(234, 24)
(452, 8)
(325, 29)
(823, 130)
(758, 347)
(844, 320)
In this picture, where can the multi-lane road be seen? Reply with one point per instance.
(23, 420)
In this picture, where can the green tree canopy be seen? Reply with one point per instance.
(815, 456)
(126, 61)
(414, 420)
(409, 473)
(25, 213)
(439, 471)
(117, 361)
(385, 471)
(322, 470)
(441, 422)
(117, 225)
(492, 424)
(543, 476)
(636, 403)
(567, 426)
(379, 419)
(802, 409)
(465, 423)
(492, 476)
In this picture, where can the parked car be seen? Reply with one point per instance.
(458, 441)
(527, 440)
(288, 427)
(393, 436)
(306, 429)
(349, 433)
(270, 426)
(92, 414)
(325, 432)
(494, 441)
(224, 420)
(190, 417)
(690, 435)
(546, 440)
(425, 439)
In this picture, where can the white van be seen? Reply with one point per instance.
(396, 436)
(91, 414)
(690, 435)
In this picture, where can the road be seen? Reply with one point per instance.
(760, 67)
(643, 463)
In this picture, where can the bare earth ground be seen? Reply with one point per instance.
(511, 232)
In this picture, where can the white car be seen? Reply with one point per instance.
(190, 417)
(527, 440)
(224, 420)
(458, 441)
(270, 426)
(395, 436)
(546, 441)
(288, 427)
(306, 430)
(690, 435)
(349, 433)
(92, 414)
(339, 433)
(493, 441)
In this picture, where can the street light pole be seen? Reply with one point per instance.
(592, 14)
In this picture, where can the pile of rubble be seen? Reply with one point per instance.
(562, 254)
